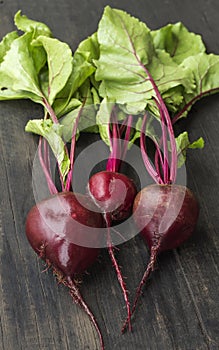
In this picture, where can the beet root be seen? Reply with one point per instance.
(52, 228)
(167, 213)
(166, 216)
(113, 193)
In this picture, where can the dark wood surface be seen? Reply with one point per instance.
(179, 309)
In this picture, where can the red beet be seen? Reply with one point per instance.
(52, 228)
(114, 193)
(165, 213)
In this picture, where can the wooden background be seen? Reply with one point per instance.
(180, 308)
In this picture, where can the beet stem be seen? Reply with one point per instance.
(54, 118)
(150, 268)
(72, 151)
(50, 183)
(114, 161)
(78, 299)
(127, 136)
(118, 149)
(152, 172)
(165, 146)
(50, 111)
(164, 113)
(118, 272)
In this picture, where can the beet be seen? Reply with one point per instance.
(52, 228)
(166, 216)
(167, 213)
(114, 193)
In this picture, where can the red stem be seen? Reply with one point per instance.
(50, 183)
(72, 151)
(113, 162)
(165, 146)
(55, 121)
(118, 271)
(152, 172)
(127, 136)
(118, 149)
(158, 159)
(46, 156)
(50, 111)
(149, 269)
(157, 165)
(162, 106)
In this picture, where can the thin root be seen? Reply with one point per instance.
(119, 273)
(78, 299)
(149, 269)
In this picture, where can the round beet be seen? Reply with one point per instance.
(113, 193)
(167, 213)
(52, 228)
(166, 216)
(55, 224)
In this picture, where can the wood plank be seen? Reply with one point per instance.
(179, 308)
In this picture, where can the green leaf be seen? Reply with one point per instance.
(88, 49)
(28, 25)
(125, 37)
(83, 66)
(168, 75)
(82, 69)
(8, 94)
(60, 102)
(87, 121)
(6, 42)
(59, 58)
(17, 71)
(126, 48)
(103, 119)
(197, 144)
(205, 70)
(36, 29)
(177, 41)
(95, 96)
(68, 122)
(183, 143)
(53, 134)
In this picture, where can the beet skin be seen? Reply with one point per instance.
(165, 212)
(53, 227)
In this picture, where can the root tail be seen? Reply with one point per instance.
(78, 299)
(149, 269)
(119, 274)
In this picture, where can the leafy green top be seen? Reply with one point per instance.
(108, 67)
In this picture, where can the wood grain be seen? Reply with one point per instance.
(179, 309)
